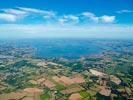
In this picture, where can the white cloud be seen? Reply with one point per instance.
(22, 12)
(107, 19)
(72, 17)
(69, 19)
(8, 17)
(52, 17)
(125, 11)
(32, 10)
(45, 13)
(91, 16)
(62, 20)
(98, 19)
(14, 11)
(88, 14)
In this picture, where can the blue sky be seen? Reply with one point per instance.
(66, 18)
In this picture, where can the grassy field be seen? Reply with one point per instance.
(46, 95)
(85, 95)
(60, 87)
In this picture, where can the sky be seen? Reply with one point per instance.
(66, 18)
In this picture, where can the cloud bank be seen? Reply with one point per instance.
(49, 31)
(22, 13)
(19, 22)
